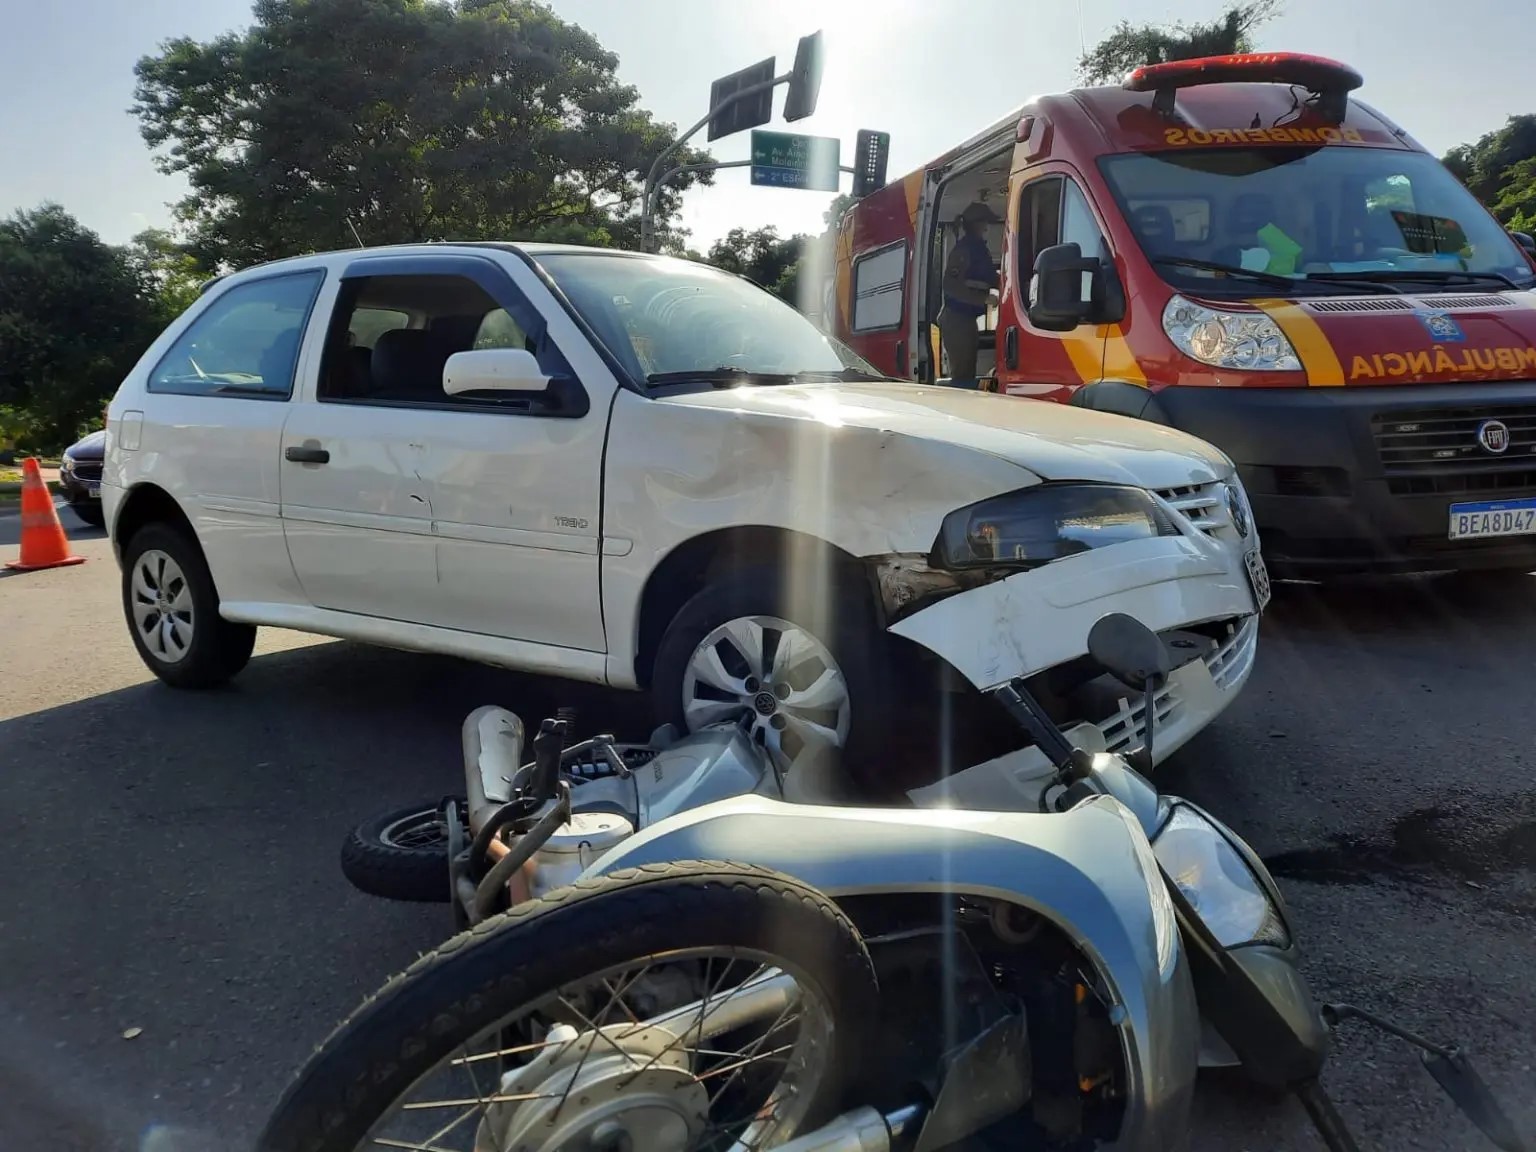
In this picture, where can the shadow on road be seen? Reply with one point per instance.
(185, 880)
(1406, 604)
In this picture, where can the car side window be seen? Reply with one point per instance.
(499, 330)
(403, 365)
(1039, 222)
(244, 344)
(1078, 225)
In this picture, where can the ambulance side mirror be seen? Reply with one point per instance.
(1063, 289)
(1526, 241)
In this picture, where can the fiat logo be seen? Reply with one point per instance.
(1493, 435)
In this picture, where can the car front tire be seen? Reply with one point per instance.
(172, 610)
(803, 673)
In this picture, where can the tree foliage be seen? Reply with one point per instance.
(1129, 46)
(762, 256)
(1500, 170)
(404, 120)
(75, 313)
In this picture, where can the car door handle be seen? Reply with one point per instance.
(305, 455)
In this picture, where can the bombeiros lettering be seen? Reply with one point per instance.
(1200, 137)
(1439, 361)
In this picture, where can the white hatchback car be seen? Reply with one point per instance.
(648, 473)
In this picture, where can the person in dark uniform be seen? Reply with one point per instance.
(969, 279)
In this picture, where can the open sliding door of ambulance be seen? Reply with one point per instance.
(976, 171)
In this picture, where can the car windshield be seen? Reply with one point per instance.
(667, 320)
(1231, 220)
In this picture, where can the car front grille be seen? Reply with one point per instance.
(88, 470)
(1205, 507)
(1227, 661)
(1437, 451)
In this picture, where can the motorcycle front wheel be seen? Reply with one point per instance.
(696, 1005)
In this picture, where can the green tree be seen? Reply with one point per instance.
(1516, 205)
(834, 213)
(404, 120)
(1499, 170)
(1129, 46)
(762, 256)
(74, 316)
(168, 273)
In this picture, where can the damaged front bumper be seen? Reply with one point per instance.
(992, 631)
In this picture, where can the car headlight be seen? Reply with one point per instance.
(1037, 525)
(67, 463)
(1217, 881)
(1248, 341)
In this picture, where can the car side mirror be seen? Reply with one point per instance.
(494, 370)
(1526, 241)
(1062, 290)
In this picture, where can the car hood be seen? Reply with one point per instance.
(1054, 441)
(90, 447)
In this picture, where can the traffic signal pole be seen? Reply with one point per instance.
(656, 178)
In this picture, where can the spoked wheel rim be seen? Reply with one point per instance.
(417, 832)
(161, 602)
(777, 679)
(625, 1060)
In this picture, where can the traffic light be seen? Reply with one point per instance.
(871, 151)
(805, 79)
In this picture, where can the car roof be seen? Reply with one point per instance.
(344, 256)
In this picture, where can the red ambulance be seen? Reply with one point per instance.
(1238, 248)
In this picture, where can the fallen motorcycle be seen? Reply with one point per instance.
(880, 979)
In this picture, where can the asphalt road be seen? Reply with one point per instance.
(169, 861)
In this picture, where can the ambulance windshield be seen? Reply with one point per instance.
(1234, 221)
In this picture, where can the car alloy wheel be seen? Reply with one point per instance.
(162, 606)
(777, 680)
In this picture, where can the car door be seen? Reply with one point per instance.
(505, 485)
(1047, 210)
(356, 513)
(214, 405)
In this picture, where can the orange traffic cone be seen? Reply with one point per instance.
(43, 543)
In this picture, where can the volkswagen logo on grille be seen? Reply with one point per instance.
(1237, 511)
(1493, 435)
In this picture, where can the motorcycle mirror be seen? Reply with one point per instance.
(1128, 649)
(1462, 1083)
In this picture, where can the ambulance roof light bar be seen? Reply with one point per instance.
(1329, 81)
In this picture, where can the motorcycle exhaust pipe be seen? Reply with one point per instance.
(493, 740)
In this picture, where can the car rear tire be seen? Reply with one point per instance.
(172, 610)
(833, 677)
(90, 514)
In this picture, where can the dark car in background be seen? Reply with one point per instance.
(80, 477)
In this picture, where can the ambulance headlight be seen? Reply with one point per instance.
(1246, 341)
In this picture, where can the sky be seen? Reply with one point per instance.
(930, 72)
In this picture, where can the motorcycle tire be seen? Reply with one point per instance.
(398, 856)
(441, 1003)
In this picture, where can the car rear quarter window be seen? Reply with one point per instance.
(244, 344)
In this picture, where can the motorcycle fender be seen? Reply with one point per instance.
(1083, 870)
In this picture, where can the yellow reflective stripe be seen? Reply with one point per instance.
(1086, 351)
(1119, 361)
(1316, 351)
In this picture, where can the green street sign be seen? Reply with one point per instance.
(787, 160)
